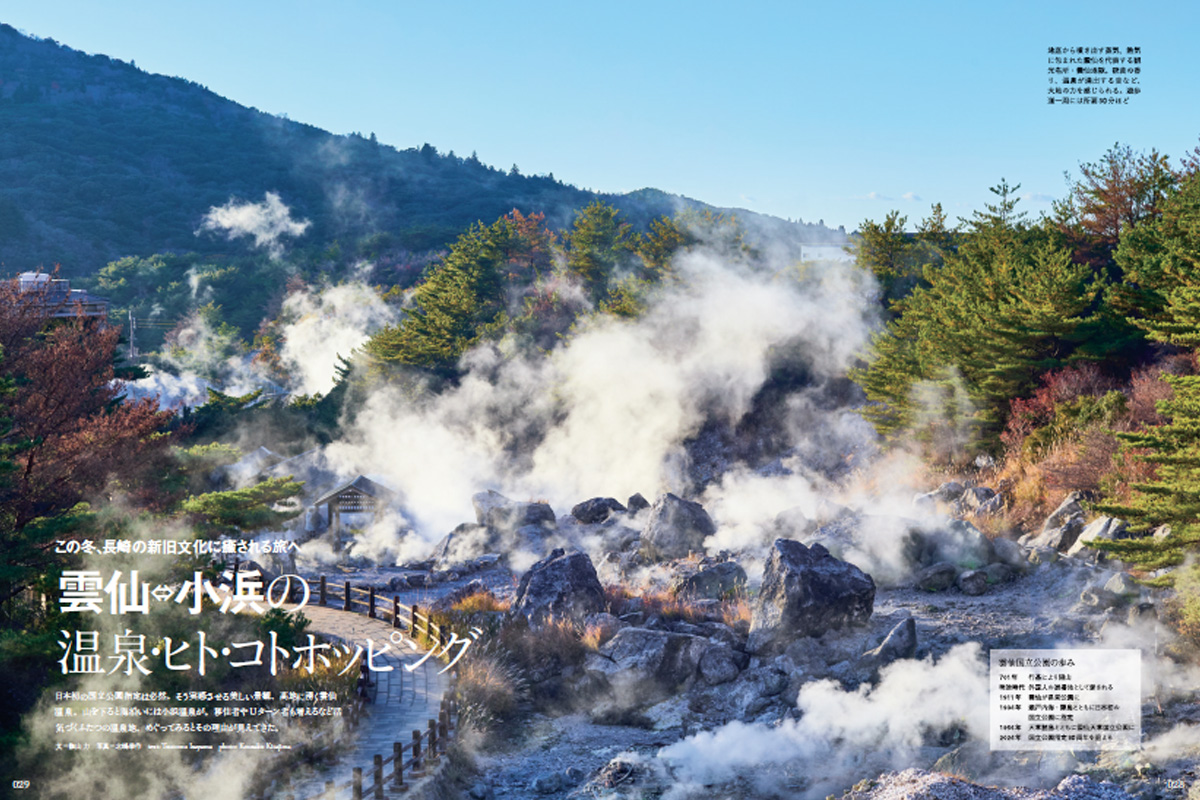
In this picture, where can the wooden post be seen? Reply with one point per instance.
(378, 777)
(431, 746)
(398, 760)
(322, 590)
(412, 627)
(371, 603)
(346, 598)
(357, 784)
(396, 611)
(416, 751)
(442, 732)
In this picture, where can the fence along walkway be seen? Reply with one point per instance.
(407, 718)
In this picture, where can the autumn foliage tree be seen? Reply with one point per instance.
(68, 432)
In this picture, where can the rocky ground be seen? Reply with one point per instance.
(667, 687)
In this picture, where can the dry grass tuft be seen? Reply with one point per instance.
(554, 642)
(490, 688)
(481, 602)
(736, 612)
(672, 607)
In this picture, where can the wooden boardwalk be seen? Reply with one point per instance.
(401, 702)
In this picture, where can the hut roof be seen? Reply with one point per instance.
(361, 484)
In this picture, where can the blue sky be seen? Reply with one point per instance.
(838, 112)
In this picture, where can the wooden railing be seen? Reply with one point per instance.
(425, 748)
(404, 617)
(409, 760)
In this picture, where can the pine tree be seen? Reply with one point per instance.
(1002, 308)
(460, 299)
(596, 245)
(1166, 250)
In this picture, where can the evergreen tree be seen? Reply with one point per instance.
(1004, 307)
(1166, 254)
(597, 243)
(452, 309)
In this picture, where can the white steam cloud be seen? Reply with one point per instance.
(328, 323)
(268, 222)
(607, 413)
(842, 733)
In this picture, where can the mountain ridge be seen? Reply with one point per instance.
(100, 160)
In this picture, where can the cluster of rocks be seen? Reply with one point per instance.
(813, 617)
(962, 500)
(720, 668)
(1067, 532)
(670, 528)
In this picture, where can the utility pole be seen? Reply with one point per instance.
(133, 353)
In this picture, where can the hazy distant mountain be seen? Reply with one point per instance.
(99, 160)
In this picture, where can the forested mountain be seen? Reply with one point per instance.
(100, 160)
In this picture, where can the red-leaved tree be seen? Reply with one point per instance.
(67, 435)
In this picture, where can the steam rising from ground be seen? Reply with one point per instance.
(608, 413)
(328, 323)
(842, 733)
(268, 222)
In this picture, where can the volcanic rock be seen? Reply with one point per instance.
(641, 664)
(972, 582)
(1101, 528)
(937, 577)
(676, 527)
(596, 510)
(958, 542)
(715, 582)
(805, 592)
(901, 642)
(1061, 528)
(561, 585)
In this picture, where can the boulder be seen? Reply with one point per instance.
(462, 544)
(1071, 506)
(641, 664)
(1122, 584)
(718, 665)
(998, 573)
(1010, 553)
(596, 510)
(751, 693)
(972, 582)
(1042, 555)
(1062, 527)
(636, 503)
(958, 542)
(948, 492)
(1101, 528)
(937, 577)
(500, 515)
(675, 528)
(716, 582)
(973, 499)
(484, 502)
(561, 585)
(805, 592)
(546, 783)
